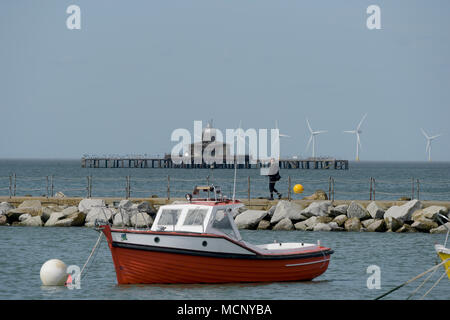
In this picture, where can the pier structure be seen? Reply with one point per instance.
(218, 150)
(167, 162)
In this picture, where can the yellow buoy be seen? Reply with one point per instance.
(298, 188)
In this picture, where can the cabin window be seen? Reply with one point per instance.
(222, 222)
(195, 217)
(169, 217)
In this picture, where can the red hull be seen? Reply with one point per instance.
(145, 266)
(139, 266)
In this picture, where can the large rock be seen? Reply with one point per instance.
(32, 207)
(367, 222)
(145, 207)
(322, 227)
(31, 204)
(86, 205)
(335, 227)
(318, 195)
(69, 211)
(403, 213)
(393, 224)
(271, 211)
(352, 224)
(405, 228)
(310, 223)
(76, 219)
(440, 229)
(5, 207)
(54, 218)
(250, 219)
(125, 204)
(340, 220)
(287, 209)
(338, 210)
(46, 213)
(301, 226)
(378, 225)
(3, 220)
(375, 211)
(122, 219)
(14, 214)
(356, 210)
(68, 217)
(424, 225)
(141, 220)
(430, 213)
(263, 225)
(319, 208)
(284, 224)
(98, 213)
(32, 221)
(24, 217)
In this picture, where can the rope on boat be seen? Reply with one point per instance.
(90, 255)
(420, 286)
(434, 285)
(412, 279)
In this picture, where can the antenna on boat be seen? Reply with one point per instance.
(235, 164)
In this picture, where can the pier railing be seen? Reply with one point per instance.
(247, 187)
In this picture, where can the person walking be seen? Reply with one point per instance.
(274, 176)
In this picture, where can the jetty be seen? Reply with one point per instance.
(246, 163)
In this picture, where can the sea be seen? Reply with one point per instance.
(358, 256)
(362, 181)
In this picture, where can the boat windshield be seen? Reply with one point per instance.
(169, 217)
(222, 223)
(195, 217)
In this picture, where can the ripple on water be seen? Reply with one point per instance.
(400, 257)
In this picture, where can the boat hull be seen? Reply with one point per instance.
(444, 254)
(144, 264)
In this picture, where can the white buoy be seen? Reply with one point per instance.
(53, 273)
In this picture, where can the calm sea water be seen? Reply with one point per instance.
(423, 180)
(23, 250)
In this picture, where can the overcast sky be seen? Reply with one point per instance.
(137, 70)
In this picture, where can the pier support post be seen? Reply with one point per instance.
(87, 188)
(329, 187)
(168, 187)
(332, 189)
(289, 188)
(373, 188)
(248, 189)
(10, 186)
(418, 190)
(51, 186)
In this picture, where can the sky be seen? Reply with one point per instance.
(138, 70)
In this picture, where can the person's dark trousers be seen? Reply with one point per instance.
(272, 189)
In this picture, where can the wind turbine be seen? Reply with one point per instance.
(429, 139)
(280, 135)
(358, 139)
(313, 138)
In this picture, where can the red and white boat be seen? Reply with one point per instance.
(198, 242)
